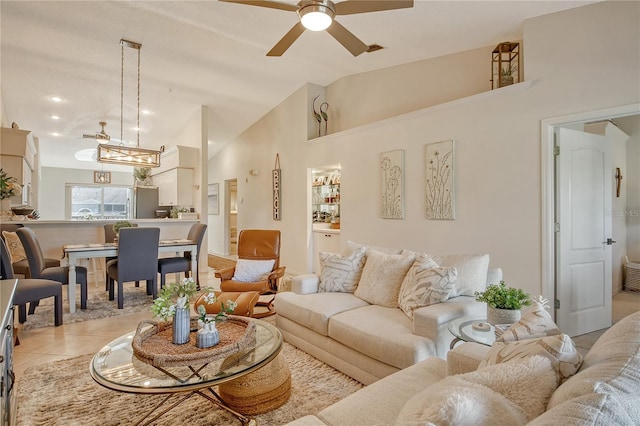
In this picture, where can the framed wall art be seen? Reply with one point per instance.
(101, 177)
(213, 206)
(392, 184)
(439, 180)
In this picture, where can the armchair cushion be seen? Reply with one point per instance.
(16, 251)
(341, 273)
(252, 270)
(382, 276)
(472, 271)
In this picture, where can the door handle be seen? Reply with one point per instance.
(610, 241)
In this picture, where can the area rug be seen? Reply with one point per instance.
(63, 393)
(98, 306)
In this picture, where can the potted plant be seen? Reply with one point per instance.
(142, 176)
(506, 75)
(119, 225)
(503, 303)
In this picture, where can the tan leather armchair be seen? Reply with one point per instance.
(256, 244)
(245, 300)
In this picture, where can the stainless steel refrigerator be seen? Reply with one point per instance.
(145, 202)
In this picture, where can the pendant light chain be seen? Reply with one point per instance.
(138, 124)
(121, 92)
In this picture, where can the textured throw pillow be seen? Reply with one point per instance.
(509, 394)
(425, 284)
(250, 271)
(535, 323)
(560, 350)
(472, 271)
(16, 251)
(341, 273)
(382, 276)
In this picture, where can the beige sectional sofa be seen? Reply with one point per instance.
(369, 341)
(604, 391)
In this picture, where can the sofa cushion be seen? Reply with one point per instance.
(472, 271)
(251, 271)
(341, 273)
(509, 394)
(16, 251)
(592, 409)
(314, 310)
(535, 323)
(382, 276)
(560, 350)
(612, 366)
(425, 284)
(384, 334)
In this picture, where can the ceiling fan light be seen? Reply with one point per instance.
(316, 17)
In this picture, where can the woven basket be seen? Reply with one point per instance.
(632, 276)
(153, 345)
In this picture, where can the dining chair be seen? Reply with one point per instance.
(169, 265)
(31, 290)
(21, 267)
(110, 237)
(137, 260)
(56, 273)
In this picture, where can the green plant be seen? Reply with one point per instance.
(121, 224)
(141, 173)
(9, 186)
(172, 296)
(502, 297)
(509, 71)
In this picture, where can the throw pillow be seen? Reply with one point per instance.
(560, 350)
(509, 394)
(472, 271)
(341, 273)
(352, 246)
(16, 251)
(425, 284)
(251, 271)
(382, 276)
(535, 323)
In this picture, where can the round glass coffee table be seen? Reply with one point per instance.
(468, 329)
(116, 367)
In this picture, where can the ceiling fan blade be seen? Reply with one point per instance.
(86, 136)
(351, 7)
(286, 41)
(346, 38)
(268, 4)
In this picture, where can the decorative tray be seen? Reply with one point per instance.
(153, 345)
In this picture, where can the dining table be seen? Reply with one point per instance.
(74, 252)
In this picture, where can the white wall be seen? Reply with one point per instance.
(631, 126)
(570, 60)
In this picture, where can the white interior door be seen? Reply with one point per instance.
(583, 256)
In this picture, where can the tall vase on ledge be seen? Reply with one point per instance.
(181, 322)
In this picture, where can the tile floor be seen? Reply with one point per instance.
(69, 340)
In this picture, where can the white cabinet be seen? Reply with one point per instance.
(175, 187)
(326, 241)
(17, 159)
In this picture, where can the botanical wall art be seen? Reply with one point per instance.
(439, 180)
(392, 179)
(212, 198)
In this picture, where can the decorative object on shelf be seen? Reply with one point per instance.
(164, 308)
(15, 126)
(503, 303)
(276, 175)
(505, 65)
(9, 186)
(481, 326)
(439, 180)
(392, 176)
(317, 115)
(212, 198)
(121, 154)
(325, 117)
(142, 176)
(101, 177)
(320, 115)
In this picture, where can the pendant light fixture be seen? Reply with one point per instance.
(120, 154)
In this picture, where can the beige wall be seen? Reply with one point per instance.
(569, 62)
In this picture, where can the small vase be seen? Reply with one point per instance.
(502, 316)
(181, 326)
(208, 336)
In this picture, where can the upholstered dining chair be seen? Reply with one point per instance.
(31, 290)
(257, 249)
(170, 265)
(21, 264)
(56, 273)
(110, 237)
(137, 260)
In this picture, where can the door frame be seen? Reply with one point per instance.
(547, 127)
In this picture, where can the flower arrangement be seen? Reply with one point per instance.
(173, 296)
(502, 297)
(121, 224)
(225, 309)
(9, 186)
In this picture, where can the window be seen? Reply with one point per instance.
(98, 202)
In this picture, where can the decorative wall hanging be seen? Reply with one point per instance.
(101, 177)
(505, 65)
(275, 177)
(439, 180)
(212, 198)
(392, 180)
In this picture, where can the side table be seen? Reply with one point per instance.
(463, 331)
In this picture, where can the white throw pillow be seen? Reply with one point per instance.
(472, 271)
(535, 323)
(382, 276)
(425, 284)
(560, 350)
(509, 394)
(341, 273)
(250, 271)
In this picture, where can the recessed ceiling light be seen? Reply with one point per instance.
(145, 112)
(55, 117)
(55, 134)
(56, 99)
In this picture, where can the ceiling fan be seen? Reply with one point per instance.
(318, 15)
(101, 136)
